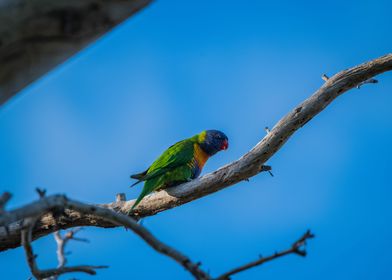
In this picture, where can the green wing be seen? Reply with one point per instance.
(176, 155)
(172, 177)
(171, 166)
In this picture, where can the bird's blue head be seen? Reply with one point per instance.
(213, 141)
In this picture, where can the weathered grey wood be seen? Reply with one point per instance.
(37, 35)
(45, 204)
(247, 166)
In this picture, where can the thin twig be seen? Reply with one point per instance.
(4, 198)
(48, 273)
(296, 248)
(267, 130)
(62, 242)
(268, 169)
(41, 192)
(60, 249)
(368, 81)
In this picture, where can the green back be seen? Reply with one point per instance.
(172, 166)
(178, 154)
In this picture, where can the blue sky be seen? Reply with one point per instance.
(179, 67)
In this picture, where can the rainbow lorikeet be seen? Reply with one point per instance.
(181, 162)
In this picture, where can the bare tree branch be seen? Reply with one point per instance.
(61, 202)
(247, 166)
(62, 242)
(58, 201)
(296, 248)
(31, 257)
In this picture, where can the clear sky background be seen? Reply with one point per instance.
(179, 67)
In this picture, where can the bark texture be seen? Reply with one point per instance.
(37, 35)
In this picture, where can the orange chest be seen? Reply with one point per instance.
(200, 156)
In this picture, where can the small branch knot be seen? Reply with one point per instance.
(267, 168)
(267, 130)
(300, 244)
(368, 81)
(4, 198)
(120, 197)
(325, 77)
(41, 192)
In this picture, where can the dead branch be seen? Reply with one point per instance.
(62, 242)
(296, 248)
(62, 203)
(31, 257)
(368, 81)
(247, 166)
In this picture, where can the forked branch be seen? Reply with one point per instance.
(62, 203)
(48, 273)
(297, 248)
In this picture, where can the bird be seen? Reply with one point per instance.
(181, 162)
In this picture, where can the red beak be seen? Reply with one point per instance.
(225, 145)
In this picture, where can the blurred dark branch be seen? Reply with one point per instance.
(297, 248)
(36, 36)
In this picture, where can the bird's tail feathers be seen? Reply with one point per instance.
(134, 184)
(139, 176)
(141, 196)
